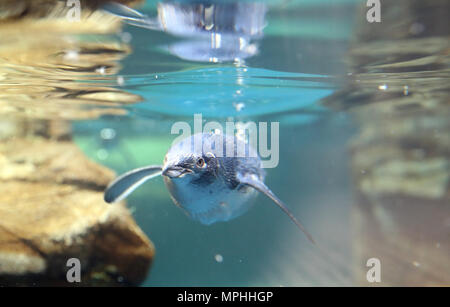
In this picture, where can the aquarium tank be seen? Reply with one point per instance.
(224, 143)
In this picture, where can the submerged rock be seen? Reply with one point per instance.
(51, 195)
(52, 209)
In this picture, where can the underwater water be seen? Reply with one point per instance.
(363, 113)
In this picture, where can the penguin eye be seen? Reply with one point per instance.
(200, 163)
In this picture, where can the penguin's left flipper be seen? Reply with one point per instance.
(257, 184)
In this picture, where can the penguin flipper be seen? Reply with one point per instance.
(123, 185)
(258, 185)
(130, 16)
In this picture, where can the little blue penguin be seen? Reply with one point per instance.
(211, 176)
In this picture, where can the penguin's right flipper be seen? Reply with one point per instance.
(261, 187)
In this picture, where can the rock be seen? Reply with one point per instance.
(51, 195)
(52, 209)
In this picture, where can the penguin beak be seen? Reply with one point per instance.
(174, 171)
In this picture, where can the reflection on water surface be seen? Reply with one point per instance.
(364, 140)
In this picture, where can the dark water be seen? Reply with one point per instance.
(364, 139)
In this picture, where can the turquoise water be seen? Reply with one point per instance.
(295, 75)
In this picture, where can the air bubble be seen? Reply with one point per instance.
(239, 106)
